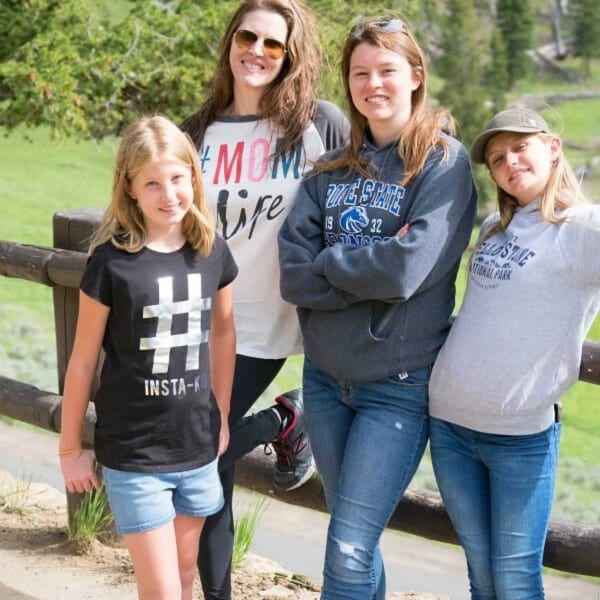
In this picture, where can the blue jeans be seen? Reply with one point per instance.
(498, 492)
(367, 440)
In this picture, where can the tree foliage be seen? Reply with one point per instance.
(69, 65)
(75, 67)
(76, 71)
(496, 73)
(515, 20)
(461, 64)
(586, 31)
(20, 22)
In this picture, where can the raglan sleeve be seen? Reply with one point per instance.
(332, 125)
(300, 240)
(579, 239)
(592, 248)
(440, 224)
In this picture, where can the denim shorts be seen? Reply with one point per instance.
(145, 501)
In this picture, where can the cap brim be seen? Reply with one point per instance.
(478, 146)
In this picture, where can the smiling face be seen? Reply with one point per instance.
(164, 193)
(253, 69)
(381, 84)
(521, 164)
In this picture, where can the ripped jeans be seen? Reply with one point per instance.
(367, 440)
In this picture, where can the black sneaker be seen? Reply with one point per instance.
(295, 464)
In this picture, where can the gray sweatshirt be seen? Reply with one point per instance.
(515, 347)
(372, 304)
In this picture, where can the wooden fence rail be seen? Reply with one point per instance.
(50, 266)
(56, 267)
(570, 547)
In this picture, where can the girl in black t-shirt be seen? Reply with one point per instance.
(156, 298)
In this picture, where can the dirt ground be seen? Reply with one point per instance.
(37, 562)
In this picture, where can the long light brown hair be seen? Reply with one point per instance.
(145, 141)
(289, 100)
(424, 130)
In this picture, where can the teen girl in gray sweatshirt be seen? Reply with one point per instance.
(514, 349)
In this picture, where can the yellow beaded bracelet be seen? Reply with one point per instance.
(69, 452)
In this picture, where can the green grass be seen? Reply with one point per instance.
(15, 495)
(578, 125)
(42, 177)
(245, 528)
(92, 520)
(39, 178)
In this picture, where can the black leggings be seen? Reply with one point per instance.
(252, 376)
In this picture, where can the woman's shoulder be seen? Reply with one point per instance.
(455, 146)
(219, 243)
(326, 108)
(332, 124)
(587, 215)
(583, 211)
(492, 220)
(448, 154)
(221, 253)
(331, 155)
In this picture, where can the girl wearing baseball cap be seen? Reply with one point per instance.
(513, 351)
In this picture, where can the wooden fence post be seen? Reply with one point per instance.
(72, 230)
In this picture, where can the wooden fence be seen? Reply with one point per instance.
(570, 547)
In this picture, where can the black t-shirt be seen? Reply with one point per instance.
(154, 408)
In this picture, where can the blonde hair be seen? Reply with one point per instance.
(424, 130)
(289, 102)
(562, 191)
(143, 142)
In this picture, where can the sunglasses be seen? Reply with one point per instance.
(390, 25)
(244, 38)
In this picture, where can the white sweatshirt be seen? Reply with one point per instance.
(515, 347)
(250, 195)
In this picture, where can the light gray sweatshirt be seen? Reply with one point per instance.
(515, 347)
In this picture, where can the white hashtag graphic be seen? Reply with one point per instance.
(166, 308)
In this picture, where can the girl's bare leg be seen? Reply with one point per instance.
(164, 559)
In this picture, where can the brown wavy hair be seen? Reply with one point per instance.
(147, 140)
(424, 130)
(289, 101)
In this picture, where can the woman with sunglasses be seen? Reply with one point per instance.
(258, 131)
(370, 253)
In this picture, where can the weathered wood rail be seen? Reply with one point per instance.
(570, 547)
(56, 267)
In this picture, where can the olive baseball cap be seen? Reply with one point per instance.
(518, 119)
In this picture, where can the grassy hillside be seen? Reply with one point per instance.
(37, 179)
